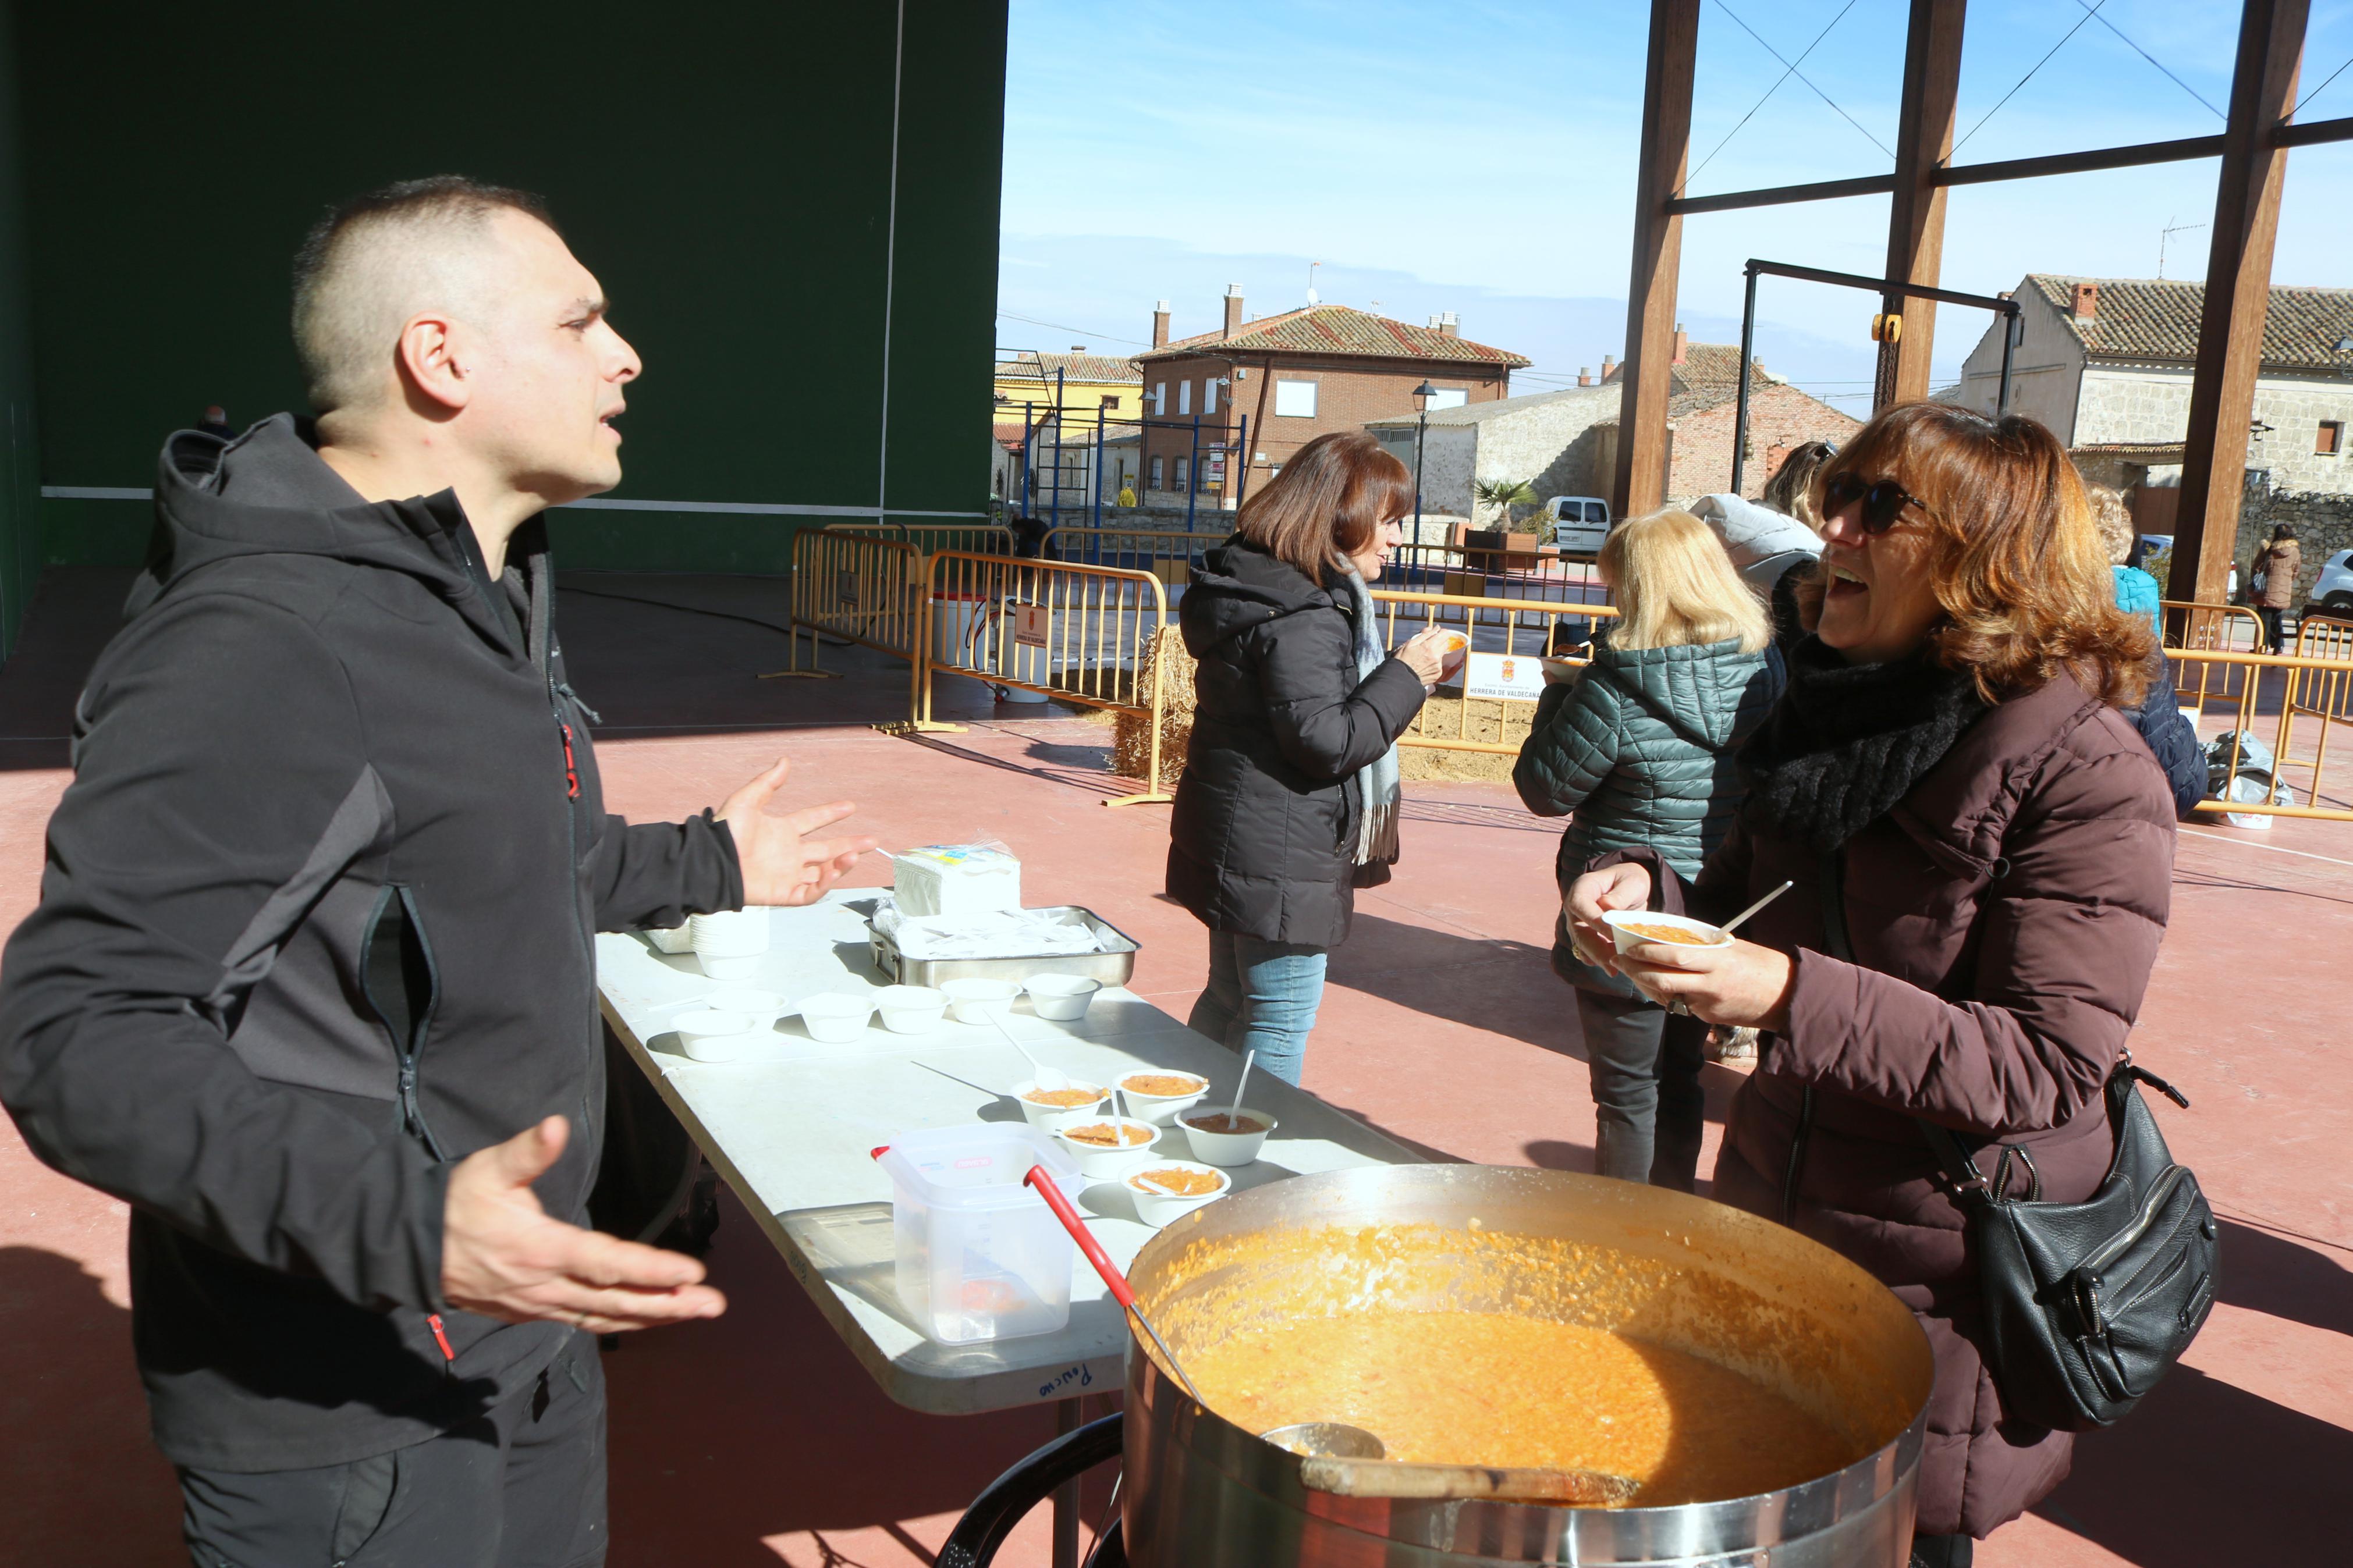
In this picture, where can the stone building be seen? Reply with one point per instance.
(1295, 375)
(1703, 404)
(1552, 439)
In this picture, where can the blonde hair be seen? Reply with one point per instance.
(2112, 519)
(1675, 586)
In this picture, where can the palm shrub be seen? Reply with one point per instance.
(1505, 494)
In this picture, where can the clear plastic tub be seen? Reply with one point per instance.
(980, 1256)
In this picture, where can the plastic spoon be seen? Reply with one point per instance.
(1113, 1280)
(1234, 1111)
(1727, 927)
(1046, 1077)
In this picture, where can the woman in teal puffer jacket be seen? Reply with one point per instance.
(1636, 749)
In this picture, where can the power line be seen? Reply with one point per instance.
(2309, 96)
(2152, 59)
(1066, 327)
(1770, 91)
(2045, 60)
(1802, 77)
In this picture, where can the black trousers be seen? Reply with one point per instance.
(2273, 635)
(522, 1486)
(1648, 1107)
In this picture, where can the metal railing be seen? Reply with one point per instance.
(1169, 554)
(857, 584)
(980, 538)
(1061, 628)
(2194, 626)
(1525, 628)
(2323, 677)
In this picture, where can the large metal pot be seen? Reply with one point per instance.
(1696, 1276)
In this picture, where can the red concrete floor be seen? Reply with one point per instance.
(755, 1439)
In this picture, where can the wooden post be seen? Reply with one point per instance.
(1916, 216)
(1640, 483)
(2238, 292)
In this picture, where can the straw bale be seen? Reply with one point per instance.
(1131, 755)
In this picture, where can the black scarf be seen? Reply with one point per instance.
(1847, 742)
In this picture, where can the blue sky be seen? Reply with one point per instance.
(1478, 156)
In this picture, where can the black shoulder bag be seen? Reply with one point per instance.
(2086, 1305)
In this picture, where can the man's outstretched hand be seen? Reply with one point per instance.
(502, 1256)
(781, 863)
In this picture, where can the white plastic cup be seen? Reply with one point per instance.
(1621, 924)
(910, 1009)
(1225, 1149)
(836, 1017)
(1160, 1110)
(978, 1001)
(709, 1035)
(1158, 1208)
(1061, 998)
(1105, 1162)
(731, 933)
(1044, 1115)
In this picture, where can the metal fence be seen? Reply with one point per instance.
(2191, 626)
(1513, 629)
(1168, 554)
(2322, 682)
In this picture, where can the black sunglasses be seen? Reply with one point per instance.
(1884, 500)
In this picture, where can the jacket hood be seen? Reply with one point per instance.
(1239, 585)
(267, 492)
(1706, 692)
(1752, 533)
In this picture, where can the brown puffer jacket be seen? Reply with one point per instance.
(2278, 562)
(2004, 917)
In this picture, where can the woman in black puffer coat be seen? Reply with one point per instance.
(1290, 794)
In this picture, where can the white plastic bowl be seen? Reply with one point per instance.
(978, 1001)
(709, 1035)
(1045, 1116)
(1227, 1149)
(910, 1009)
(763, 1007)
(729, 966)
(1159, 1208)
(836, 1017)
(1619, 922)
(1105, 1162)
(1160, 1110)
(729, 933)
(1063, 998)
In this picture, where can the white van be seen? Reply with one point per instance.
(1579, 523)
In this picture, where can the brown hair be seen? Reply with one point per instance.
(2022, 573)
(1327, 504)
(1792, 491)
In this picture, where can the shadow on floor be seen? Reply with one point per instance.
(2265, 1272)
(1490, 983)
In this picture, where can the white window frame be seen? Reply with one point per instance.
(1159, 399)
(1209, 395)
(1183, 474)
(1184, 398)
(1155, 474)
(1449, 397)
(1288, 396)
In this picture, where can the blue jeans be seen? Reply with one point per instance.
(1261, 996)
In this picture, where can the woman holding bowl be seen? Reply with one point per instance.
(1948, 762)
(1288, 800)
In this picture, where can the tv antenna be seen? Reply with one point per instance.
(1313, 298)
(2165, 235)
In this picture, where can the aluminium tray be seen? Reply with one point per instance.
(1112, 966)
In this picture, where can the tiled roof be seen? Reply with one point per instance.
(1342, 330)
(1498, 407)
(2156, 318)
(1073, 366)
(1708, 378)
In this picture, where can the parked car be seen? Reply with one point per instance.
(2333, 589)
(1579, 523)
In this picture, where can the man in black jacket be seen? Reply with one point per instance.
(311, 983)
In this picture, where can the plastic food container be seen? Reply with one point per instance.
(1063, 998)
(1622, 921)
(671, 938)
(979, 1255)
(836, 1017)
(1156, 1207)
(910, 1009)
(978, 1001)
(1161, 1109)
(1105, 1162)
(1225, 1149)
(763, 1007)
(1043, 1117)
(707, 1036)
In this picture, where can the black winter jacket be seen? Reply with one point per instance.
(2172, 739)
(316, 923)
(1262, 838)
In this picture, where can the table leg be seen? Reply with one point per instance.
(1069, 1415)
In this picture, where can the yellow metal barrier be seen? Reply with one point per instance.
(2298, 671)
(1519, 620)
(1076, 632)
(858, 586)
(1167, 553)
(981, 538)
(2192, 626)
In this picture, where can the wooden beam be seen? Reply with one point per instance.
(1915, 217)
(2088, 162)
(1640, 483)
(2238, 293)
(1819, 190)
(2312, 134)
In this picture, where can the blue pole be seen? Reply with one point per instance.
(1193, 474)
(1054, 507)
(1099, 463)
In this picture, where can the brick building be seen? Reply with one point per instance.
(1702, 405)
(1295, 375)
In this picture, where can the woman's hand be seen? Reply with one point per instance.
(1423, 655)
(1744, 985)
(1625, 887)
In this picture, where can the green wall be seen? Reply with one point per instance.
(724, 168)
(20, 515)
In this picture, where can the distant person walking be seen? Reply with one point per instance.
(2272, 581)
(1289, 800)
(1637, 751)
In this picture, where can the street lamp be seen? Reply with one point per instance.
(1422, 397)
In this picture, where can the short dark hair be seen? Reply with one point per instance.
(333, 332)
(1327, 504)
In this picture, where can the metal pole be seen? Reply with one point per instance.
(1054, 507)
(1028, 455)
(1099, 463)
(1740, 410)
(2008, 333)
(1422, 434)
(1242, 484)
(1193, 474)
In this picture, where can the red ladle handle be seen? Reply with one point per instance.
(1051, 1191)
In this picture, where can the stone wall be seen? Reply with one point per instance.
(2323, 523)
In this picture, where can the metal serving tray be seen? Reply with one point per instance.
(1112, 966)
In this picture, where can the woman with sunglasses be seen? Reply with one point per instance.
(1948, 785)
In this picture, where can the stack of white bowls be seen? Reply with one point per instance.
(729, 942)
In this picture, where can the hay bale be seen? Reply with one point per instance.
(1131, 755)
